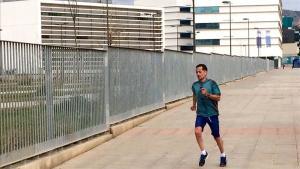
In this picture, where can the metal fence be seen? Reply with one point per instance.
(135, 82)
(50, 97)
(53, 96)
(178, 75)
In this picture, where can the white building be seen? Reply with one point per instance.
(212, 23)
(213, 27)
(178, 22)
(51, 22)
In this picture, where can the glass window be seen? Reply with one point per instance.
(208, 42)
(45, 36)
(82, 37)
(186, 47)
(185, 9)
(185, 22)
(185, 35)
(207, 25)
(211, 9)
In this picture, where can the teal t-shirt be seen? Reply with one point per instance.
(205, 106)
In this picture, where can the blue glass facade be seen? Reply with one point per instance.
(207, 25)
(207, 10)
(204, 42)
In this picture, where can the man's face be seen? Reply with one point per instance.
(201, 74)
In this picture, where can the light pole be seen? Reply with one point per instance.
(107, 25)
(194, 29)
(247, 19)
(229, 3)
(153, 32)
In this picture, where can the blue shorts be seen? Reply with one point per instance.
(213, 122)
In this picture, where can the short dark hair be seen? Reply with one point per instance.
(203, 66)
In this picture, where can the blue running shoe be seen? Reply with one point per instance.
(223, 161)
(202, 159)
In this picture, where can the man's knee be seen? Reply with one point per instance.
(198, 131)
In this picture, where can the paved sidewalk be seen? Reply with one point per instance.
(260, 125)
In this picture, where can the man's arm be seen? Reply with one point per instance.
(214, 97)
(193, 108)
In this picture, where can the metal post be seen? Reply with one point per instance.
(194, 31)
(247, 19)
(153, 32)
(248, 39)
(229, 3)
(230, 27)
(106, 91)
(107, 25)
(177, 37)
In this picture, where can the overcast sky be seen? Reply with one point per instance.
(123, 2)
(287, 4)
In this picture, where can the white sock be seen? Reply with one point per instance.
(203, 152)
(223, 155)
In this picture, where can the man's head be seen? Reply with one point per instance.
(201, 71)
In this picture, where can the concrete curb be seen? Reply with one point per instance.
(178, 103)
(121, 128)
(56, 158)
(60, 156)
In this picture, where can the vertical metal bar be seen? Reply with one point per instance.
(30, 101)
(60, 113)
(2, 113)
(164, 76)
(64, 91)
(40, 90)
(14, 96)
(22, 99)
(49, 91)
(69, 87)
(8, 95)
(79, 88)
(73, 82)
(54, 88)
(106, 87)
(4, 96)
